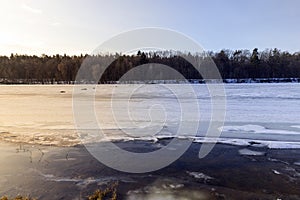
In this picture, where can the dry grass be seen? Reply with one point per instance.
(109, 193)
(17, 198)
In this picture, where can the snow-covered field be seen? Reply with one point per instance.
(256, 114)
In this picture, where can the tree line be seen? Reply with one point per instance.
(238, 64)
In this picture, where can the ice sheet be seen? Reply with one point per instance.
(42, 114)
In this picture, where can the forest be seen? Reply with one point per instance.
(237, 64)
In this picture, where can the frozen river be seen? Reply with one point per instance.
(42, 114)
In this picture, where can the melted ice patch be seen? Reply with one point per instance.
(166, 189)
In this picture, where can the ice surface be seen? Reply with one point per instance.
(250, 128)
(248, 152)
(199, 175)
(83, 182)
(296, 126)
(267, 114)
(276, 172)
(272, 144)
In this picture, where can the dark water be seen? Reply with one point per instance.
(72, 173)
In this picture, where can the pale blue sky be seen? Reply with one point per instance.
(79, 26)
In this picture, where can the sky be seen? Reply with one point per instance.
(79, 26)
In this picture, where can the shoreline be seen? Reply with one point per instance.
(188, 81)
(71, 173)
